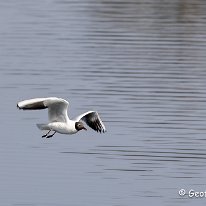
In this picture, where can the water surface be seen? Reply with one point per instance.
(141, 65)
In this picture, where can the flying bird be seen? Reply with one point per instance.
(58, 118)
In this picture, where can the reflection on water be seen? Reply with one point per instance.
(141, 65)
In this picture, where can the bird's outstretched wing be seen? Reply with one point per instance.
(92, 119)
(57, 107)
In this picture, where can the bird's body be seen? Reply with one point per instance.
(58, 118)
(60, 127)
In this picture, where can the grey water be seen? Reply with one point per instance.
(141, 65)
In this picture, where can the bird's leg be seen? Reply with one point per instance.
(51, 135)
(46, 134)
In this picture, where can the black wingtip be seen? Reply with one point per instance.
(17, 106)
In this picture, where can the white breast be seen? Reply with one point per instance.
(63, 128)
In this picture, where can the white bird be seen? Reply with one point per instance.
(58, 118)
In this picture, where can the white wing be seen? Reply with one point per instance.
(92, 119)
(57, 107)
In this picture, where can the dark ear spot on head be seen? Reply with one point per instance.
(76, 125)
(79, 126)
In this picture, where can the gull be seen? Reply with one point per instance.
(58, 119)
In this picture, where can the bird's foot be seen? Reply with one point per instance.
(45, 135)
(49, 136)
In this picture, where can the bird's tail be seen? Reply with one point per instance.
(43, 126)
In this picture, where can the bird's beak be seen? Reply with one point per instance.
(84, 128)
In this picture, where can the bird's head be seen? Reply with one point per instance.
(79, 126)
